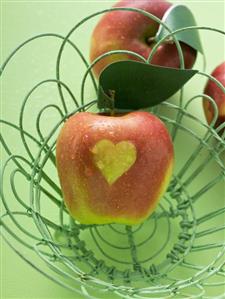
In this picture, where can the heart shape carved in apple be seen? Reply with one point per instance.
(113, 160)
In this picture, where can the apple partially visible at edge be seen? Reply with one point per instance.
(215, 92)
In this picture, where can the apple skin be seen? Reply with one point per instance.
(217, 94)
(123, 30)
(93, 198)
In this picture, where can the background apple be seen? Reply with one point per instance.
(217, 94)
(132, 31)
(113, 168)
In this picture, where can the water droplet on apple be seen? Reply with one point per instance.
(100, 165)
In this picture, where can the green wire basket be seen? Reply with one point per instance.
(178, 252)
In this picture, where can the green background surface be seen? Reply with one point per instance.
(23, 19)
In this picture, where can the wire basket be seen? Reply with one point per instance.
(178, 252)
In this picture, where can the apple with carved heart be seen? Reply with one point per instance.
(113, 168)
(126, 30)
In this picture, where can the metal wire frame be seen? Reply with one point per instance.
(81, 257)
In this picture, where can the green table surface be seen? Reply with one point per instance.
(23, 19)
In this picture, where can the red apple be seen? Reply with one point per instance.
(113, 168)
(217, 94)
(133, 31)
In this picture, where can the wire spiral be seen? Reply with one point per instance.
(130, 262)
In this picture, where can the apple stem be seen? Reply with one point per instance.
(112, 96)
(150, 40)
(169, 40)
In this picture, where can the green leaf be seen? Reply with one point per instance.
(136, 85)
(177, 17)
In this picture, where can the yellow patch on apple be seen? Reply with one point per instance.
(113, 160)
(222, 109)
